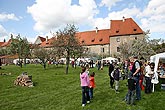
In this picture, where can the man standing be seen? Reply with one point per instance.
(136, 74)
(111, 68)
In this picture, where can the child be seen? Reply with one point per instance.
(131, 90)
(92, 84)
(116, 75)
(85, 86)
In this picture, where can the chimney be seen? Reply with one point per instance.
(96, 29)
(46, 38)
(11, 36)
(123, 18)
(4, 40)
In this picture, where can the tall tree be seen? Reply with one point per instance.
(67, 43)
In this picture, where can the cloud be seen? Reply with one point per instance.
(52, 14)
(127, 12)
(153, 16)
(109, 3)
(3, 31)
(103, 23)
(5, 17)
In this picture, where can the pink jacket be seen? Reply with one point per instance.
(84, 79)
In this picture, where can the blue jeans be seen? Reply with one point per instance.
(130, 97)
(138, 89)
(85, 94)
(91, 93)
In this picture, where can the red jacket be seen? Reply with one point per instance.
(92, 82)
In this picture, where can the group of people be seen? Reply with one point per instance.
(87, 85)
(137, 73)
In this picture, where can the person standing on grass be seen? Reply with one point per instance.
(116, 75)
(84, 78)
(92, 84)
(136, 74)
(111, 68)
(131, 90)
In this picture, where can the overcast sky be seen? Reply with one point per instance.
(31, 18)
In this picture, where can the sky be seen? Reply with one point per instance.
(32, 18)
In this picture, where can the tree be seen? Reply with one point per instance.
(139, 47)
(67, 44)
(21, 47)
(158, 45)
(41, 53)
(125, 50)
(3, 51)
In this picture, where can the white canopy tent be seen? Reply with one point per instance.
(109, 59)
(156, 58)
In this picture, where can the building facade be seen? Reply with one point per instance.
(104, 42)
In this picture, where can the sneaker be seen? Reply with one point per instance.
(83, 105)
(88, 102)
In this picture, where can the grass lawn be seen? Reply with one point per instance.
(54, 90)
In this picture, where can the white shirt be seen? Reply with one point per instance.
(148, 70)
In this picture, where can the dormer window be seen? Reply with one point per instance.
(92, 40)
(134, 29)
(82, 41)
(100, 39)
(117, 31)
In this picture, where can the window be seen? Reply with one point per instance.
(134, 29)
(135, 38)
(118, 49)
(118, 39)
(102, 50)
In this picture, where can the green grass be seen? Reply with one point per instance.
(54, 90)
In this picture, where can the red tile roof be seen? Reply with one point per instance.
(42, 38)
(126, 27)
(1, 43)
(47, 43)
(6, 43)
(93, 37)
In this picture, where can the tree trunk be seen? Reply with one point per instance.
(67, 62)
(75, 63)
(24, 61)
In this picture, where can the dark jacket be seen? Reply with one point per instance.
(134, 68)
(116, 74)
(111, 68)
